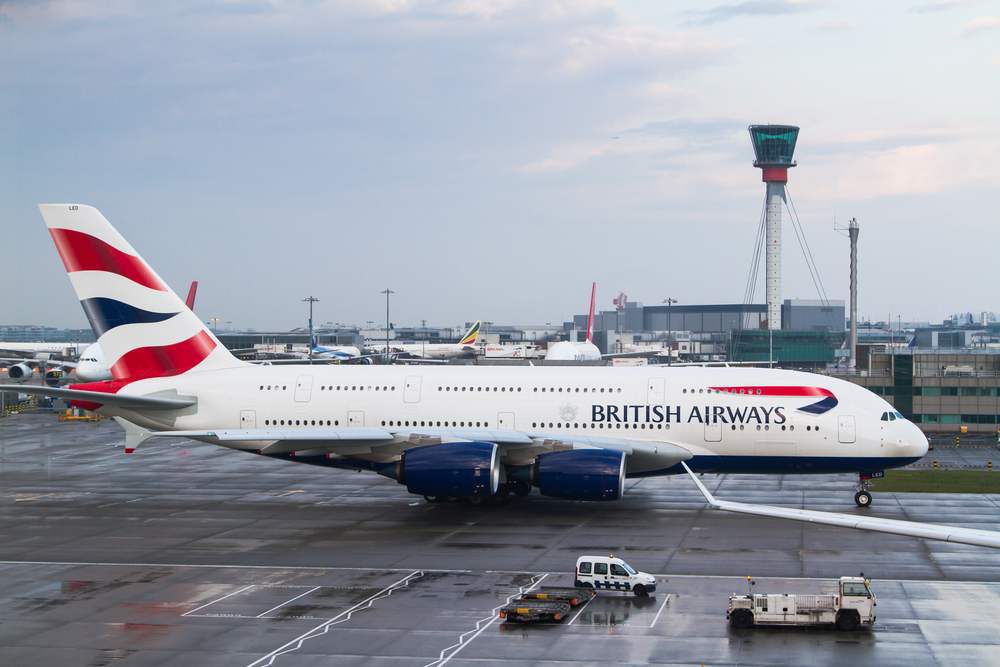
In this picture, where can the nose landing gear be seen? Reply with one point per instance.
(864, 497)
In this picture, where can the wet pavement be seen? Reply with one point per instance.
(184, 553)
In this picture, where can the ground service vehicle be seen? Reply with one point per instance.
(612, 574)
(852, 606)
(545, 604)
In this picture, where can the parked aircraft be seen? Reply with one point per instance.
(465, 432)
(587, 351)
(422, 350)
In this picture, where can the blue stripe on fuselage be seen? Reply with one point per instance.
(782, 465)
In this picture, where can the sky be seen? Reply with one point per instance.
(489, 159)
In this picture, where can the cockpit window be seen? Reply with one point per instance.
(892, 416)
(885, 416)
(898, 416)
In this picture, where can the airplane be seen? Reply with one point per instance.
(421, 350)
(587, 351)
(468, 432)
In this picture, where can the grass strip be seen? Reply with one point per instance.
(938, 481)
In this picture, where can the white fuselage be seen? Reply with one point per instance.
(428, 350)
(92, 366)
(724, 431)
(570, 351)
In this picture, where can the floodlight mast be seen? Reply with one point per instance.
(774, 146)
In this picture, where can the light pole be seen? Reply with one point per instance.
(215, 324)
(670, 331)
(387, 292)
(311, 301)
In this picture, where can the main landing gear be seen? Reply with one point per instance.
(863, 497)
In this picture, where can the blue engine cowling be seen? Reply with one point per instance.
(451, 469)
(583, 474)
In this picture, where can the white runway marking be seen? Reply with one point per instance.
(287, 601)
(657, 617)
(218, 600)
(492, 618)
(580, 611)
(322, 628)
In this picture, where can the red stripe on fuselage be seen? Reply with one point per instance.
(776, 391)
(83, 252)
(165, 360)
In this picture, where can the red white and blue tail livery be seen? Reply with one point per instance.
(144, 329)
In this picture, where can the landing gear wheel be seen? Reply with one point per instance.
(477, 500)
(521, 488)
(741, 619)
(847, 621)
(500, 498)
(640, 591)
(863, 498)
(433, 499)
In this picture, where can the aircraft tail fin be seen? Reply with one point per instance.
(590, 318)
(189, 302)
(144, 328)
(472, 335)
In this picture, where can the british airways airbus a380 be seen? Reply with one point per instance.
(463, 432)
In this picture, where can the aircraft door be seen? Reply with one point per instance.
(411, 390)
(846, 428)
(713, 432)
(655, 391)
(248, 419)
(355, 418)
(505, 421)
(303, 388)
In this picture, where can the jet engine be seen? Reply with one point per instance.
(451, 469)
(581, 474)
(55, 376)
(20, 372)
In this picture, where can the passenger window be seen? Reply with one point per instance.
(601, 568)
(584, 568)
(618, 570)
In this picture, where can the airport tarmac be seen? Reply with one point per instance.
(185, 553)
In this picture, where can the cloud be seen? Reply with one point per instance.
(943, 5)
(978, 25)
(752, 8)
(836, 24)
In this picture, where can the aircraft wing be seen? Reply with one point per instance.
(385, 444)
(119, 400)
(929, 531)
(37, 362)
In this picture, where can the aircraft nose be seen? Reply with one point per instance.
(913, 440)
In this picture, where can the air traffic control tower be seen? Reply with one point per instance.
(774, 146)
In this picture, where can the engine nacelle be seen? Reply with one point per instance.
(451, 469)
(55, 376)
(20, 372)
(582, 474)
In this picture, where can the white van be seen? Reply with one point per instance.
(607, 573)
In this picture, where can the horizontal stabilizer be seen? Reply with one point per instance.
(930, 531)
(117, 400)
